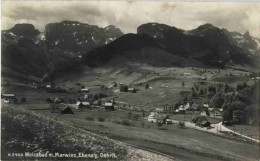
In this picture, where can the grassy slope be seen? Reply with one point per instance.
(21, 129)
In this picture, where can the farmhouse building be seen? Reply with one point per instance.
(109, 106)
(155, 117)
(86, 104)
(8, 98)
(201, 121)
(204, 112)
(181, 109)
(67, 111)
(159, 109)
(132, 90)
(84, 90)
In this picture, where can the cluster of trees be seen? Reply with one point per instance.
(133, 116)
(123, 88)
(238, 103)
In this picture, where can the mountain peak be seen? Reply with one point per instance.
(206, 26)
(26, 30)
(247, 34)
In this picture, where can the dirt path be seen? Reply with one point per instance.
(216, 129)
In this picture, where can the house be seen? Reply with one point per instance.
(48, 86)
(157, 118)
(168, 121)
(204, 112)
(182, 109)
(187, 106)
(132, 90)
(86, 104)
(79, 104)
(206, 105)
(86, 96)
(109, 106)
(203, 78)
(67, 111)
(7, 98)
(187, 73)
(150, 117)
(84, 90)
(201, 121)
(159, 109)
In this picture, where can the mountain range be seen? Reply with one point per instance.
(64, 45)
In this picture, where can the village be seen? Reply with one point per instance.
(101, 102)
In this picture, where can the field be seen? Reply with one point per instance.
(166, 85)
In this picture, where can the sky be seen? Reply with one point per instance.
(128, 15)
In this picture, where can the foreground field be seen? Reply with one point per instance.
(184, 143)
(24, 131)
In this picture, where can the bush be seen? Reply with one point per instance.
(116, 122)
(23, 99)
(147, 86)
(101, 119)
(136, 117)
(90, 118)
(123, 88)
(159, 124)
(125, 122)
(181, 124)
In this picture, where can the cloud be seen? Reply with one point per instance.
(234, 16)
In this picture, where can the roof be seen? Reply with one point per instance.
(204, 122)
(8, 95)
(84, 89)
(48, 86)
(85, 103)
(206, 105)
(131, 89)
(108, 104)
(200, 119)
(159, 116)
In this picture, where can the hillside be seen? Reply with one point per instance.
(65, 45)
(58, 48)
(205, 46)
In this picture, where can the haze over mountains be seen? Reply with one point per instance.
(63, 45)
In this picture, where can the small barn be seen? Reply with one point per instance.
(204, 112)
(132, 90)
(201, 121)
(109, 106)
(182, 109)
(84, 90)
(86, 104)
(7, 98)
(155, 117)
(67, 111)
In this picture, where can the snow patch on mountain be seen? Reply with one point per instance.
(57, 42)
(12, 34)
(258, 43)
